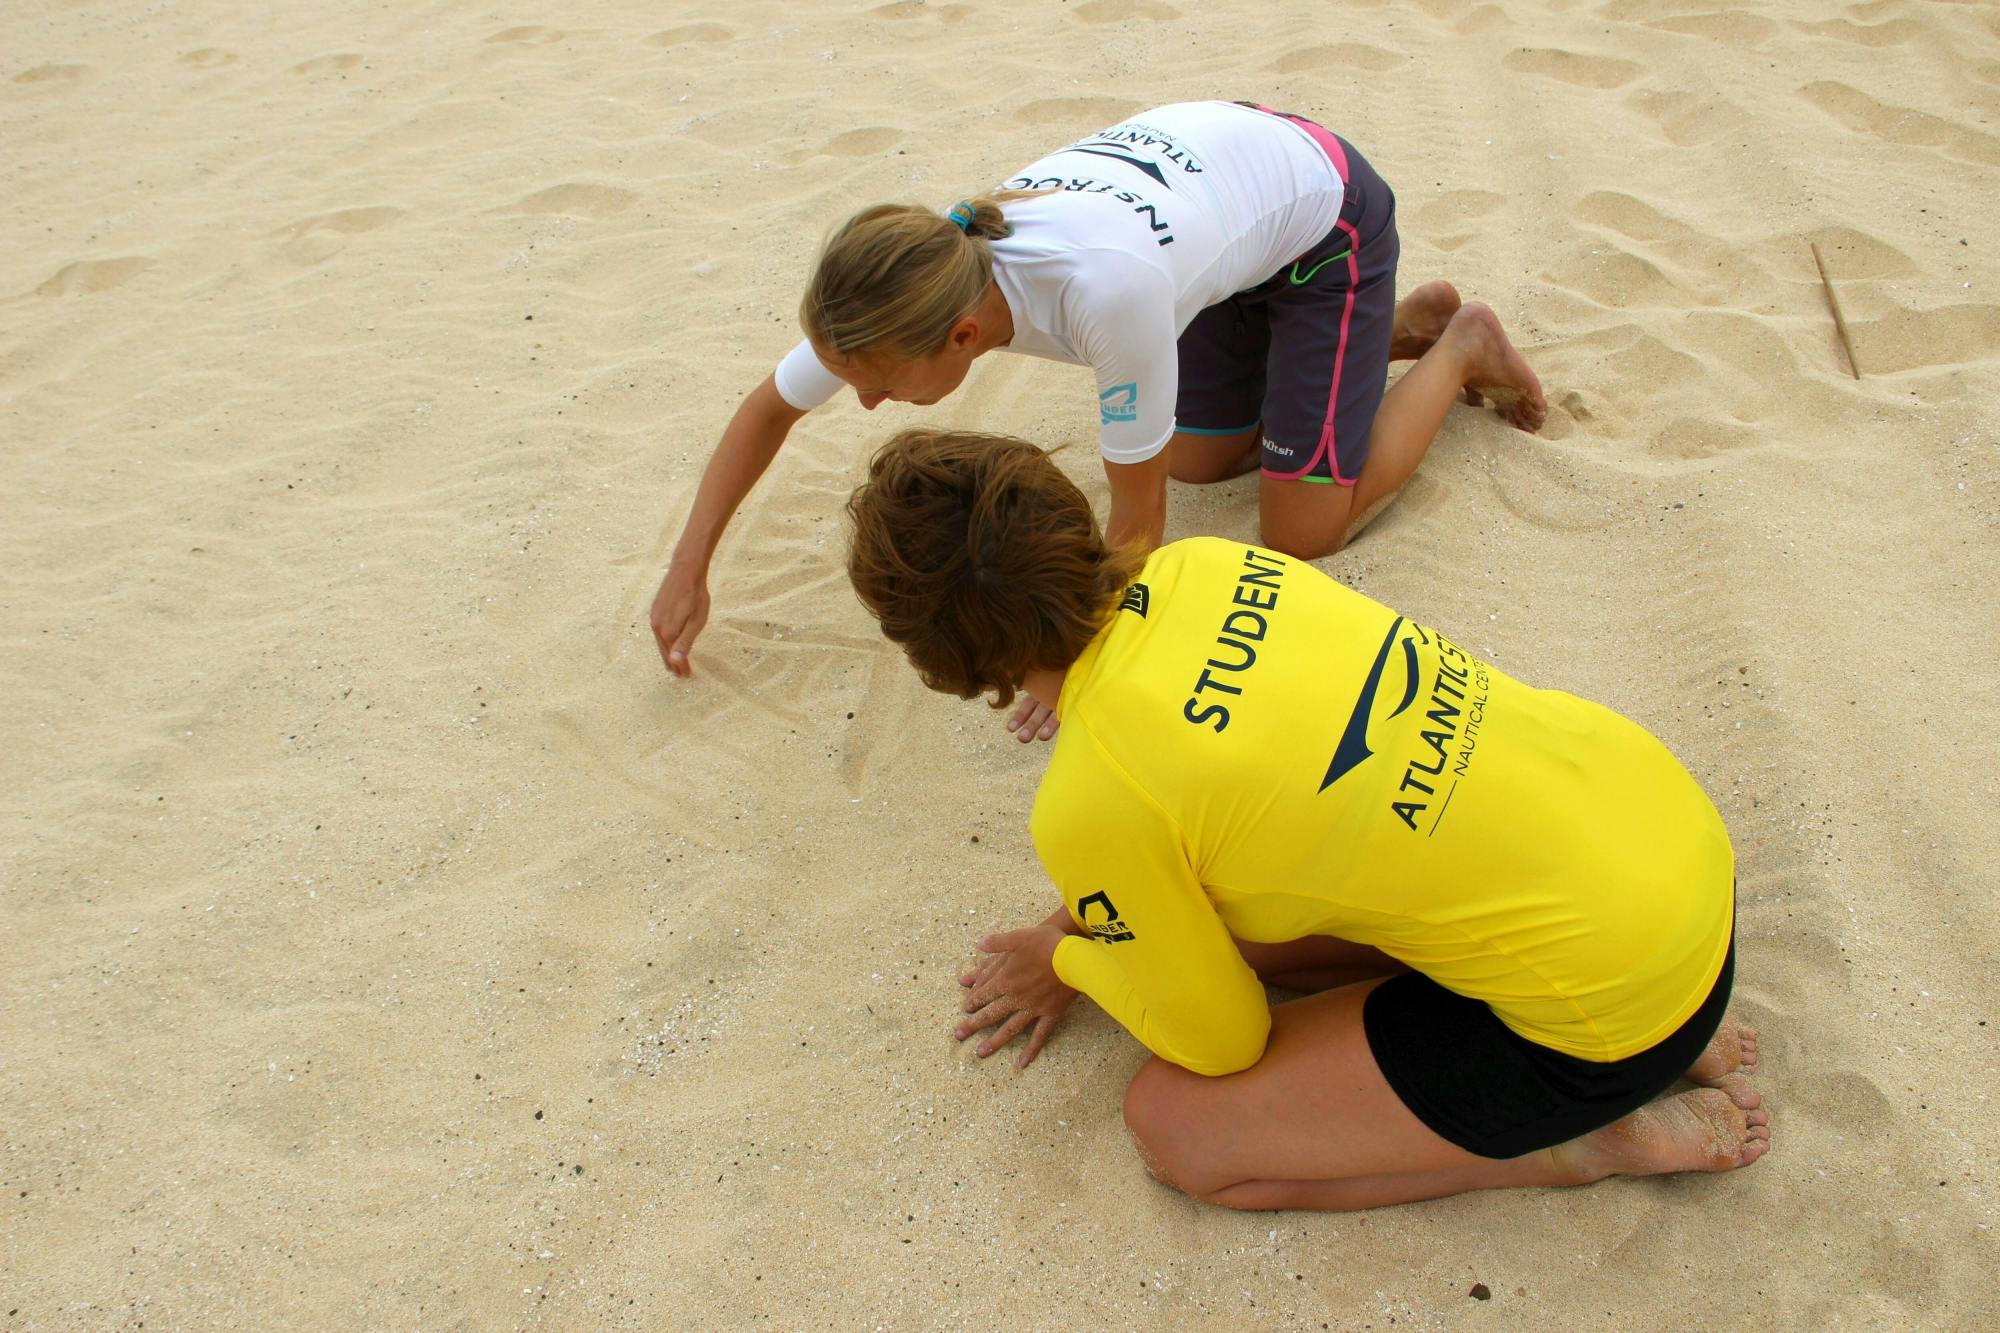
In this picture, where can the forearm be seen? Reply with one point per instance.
(1138, 503)
(1136, 525)
(749, 443)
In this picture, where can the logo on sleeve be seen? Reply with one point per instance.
(1137, 598)
(1118, 403)
(1111, 930)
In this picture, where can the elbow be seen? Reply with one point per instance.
(1223, 1061)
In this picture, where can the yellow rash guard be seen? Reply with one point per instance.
(1252, 749)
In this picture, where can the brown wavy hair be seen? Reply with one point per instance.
(981, 559)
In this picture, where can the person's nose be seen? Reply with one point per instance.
(869, 401)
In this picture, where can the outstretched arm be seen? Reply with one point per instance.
(749, 443)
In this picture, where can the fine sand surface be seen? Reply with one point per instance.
(390, 943)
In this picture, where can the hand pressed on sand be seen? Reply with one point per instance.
(1015, 987)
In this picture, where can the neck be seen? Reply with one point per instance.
(1045, 685)
(996, 321)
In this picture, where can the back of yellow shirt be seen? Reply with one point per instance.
(1251, 748)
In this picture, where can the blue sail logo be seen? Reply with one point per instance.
(1353, 747)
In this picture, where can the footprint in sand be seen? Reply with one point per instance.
(1738, 344)
(1083, 113)
(1951, 335)
(1116, 11)
(1478, 19)
(691, 32)
(1852, 254)
(1893, 33)
(578, 200)
(1732, 27)
(1620, 212)
(87, 277)
(1571, 67)
(1626, 354)
(1618, 279)
(1347, 55)
(1683, 121)
(334, 64)
(529, 35)
(209, 57)
(865, 142)
(1683, 256)
(60, 75)
(1901, 125)
(916, 9)
(319, 238)
(1445, 221)
(1693, 438)
(1854, 1102)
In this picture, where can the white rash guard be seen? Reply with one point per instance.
(1150, 222)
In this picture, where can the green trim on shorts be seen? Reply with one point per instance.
(1227, 430)
(1298, 281)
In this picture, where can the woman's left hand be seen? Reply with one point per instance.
(1015, 986)
(1032, 720)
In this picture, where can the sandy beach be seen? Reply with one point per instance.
(391, 943)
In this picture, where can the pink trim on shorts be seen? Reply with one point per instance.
(1327, 449)
(1336, 153)
(1326, 440)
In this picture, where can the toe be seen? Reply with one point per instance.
(1740, 1091)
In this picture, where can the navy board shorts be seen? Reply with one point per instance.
(1306, 352)
(1479, 1085)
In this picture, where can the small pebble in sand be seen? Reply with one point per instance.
(1480, 1292)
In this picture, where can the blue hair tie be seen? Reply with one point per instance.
(961, 215)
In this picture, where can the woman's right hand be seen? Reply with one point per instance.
(680, 610)
(749, 443)
(1013, 988)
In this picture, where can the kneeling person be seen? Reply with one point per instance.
(1262, 771)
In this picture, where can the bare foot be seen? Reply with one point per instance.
(1495, 367)
(1420, 318)
(1733, 1047)
(1702, 1130)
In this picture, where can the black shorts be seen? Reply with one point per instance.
(1477, 1084)
(1305, 352)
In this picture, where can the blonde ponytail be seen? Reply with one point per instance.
(894, 278)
